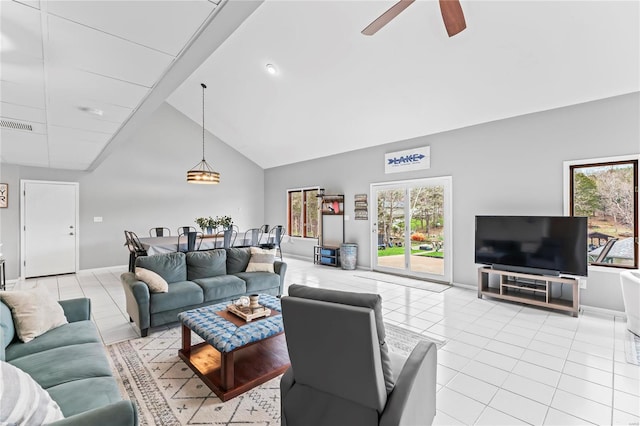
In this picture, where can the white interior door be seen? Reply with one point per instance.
(49, 228)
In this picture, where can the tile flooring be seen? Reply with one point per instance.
(503, 364)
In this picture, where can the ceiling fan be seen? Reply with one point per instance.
(450, 9)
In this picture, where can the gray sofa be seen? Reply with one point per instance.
(195, 279)
(70, 363)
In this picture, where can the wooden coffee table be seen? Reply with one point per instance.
(236, 356)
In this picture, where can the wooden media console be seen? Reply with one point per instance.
(528, 289)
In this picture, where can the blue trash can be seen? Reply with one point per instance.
(348, 255)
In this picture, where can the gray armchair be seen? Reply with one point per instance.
(341, 371)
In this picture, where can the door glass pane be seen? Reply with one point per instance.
(427, 229)
(391, 228)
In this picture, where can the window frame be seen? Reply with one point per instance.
(568, 190)
(303, 220)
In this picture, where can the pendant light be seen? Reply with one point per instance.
(202, 172)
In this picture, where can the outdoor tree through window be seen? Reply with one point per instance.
(607, 194)
(303, 212)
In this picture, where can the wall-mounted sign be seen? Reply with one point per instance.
(4, 195)
(361, 207)
(408, 160)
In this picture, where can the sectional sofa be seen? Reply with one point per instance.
(70, 363)
(195, 279)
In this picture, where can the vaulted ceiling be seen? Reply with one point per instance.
(84, 75)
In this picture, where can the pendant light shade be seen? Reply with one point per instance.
(202, 172)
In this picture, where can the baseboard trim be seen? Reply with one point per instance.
(603, 311)
(102, 269)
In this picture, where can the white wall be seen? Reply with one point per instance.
(511, 166)
(143, 185)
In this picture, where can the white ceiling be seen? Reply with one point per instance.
(59, 57)
(336, 89)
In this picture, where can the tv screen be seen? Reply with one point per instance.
(548, 245)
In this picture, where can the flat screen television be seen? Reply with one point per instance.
(544, 245)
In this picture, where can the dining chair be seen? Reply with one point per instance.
(252, 237)
(231, 241)
(184, 229)
(159, 232)
(274, 239)
(135, 248)
(193, 239)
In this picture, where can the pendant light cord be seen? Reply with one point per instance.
(203, 87)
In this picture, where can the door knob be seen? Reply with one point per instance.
(71, 233)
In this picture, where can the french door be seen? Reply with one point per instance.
(411, 228)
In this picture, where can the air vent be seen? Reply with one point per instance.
(16, 125)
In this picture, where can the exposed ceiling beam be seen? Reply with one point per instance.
(228, 16)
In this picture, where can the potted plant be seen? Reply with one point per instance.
(202, 222)
(206, 224)
(224, 221)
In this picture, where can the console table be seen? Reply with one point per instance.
(529, 289)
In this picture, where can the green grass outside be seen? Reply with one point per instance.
(394, 251)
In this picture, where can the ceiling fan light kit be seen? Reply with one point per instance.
(451, 12)
(202, 172)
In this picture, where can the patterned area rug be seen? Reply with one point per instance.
(168, 393)
(632, 348)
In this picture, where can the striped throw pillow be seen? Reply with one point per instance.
(23, 401)
(261, 260)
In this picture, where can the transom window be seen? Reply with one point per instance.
(302, 206)
(607, 194)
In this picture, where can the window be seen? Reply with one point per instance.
(607, 194)
(303, 212)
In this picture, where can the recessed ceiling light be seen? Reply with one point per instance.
(271, 69)
(92, 111)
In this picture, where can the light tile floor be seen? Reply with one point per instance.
(503, 363)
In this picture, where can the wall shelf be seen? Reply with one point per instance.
(328, 253)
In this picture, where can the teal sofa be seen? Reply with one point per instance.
(198, 278)
(70, 363)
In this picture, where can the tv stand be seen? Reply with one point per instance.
(528, 289)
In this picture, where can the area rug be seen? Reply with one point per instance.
(404, 281)
(632, 348)
(166, 391)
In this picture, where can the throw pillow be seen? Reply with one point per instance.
(261, 260)
(23, 400)
(155, 282)
(34, 312)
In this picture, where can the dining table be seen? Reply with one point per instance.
(169, 244)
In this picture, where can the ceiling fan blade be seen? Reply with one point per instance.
(386, 17)
(452, 16)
